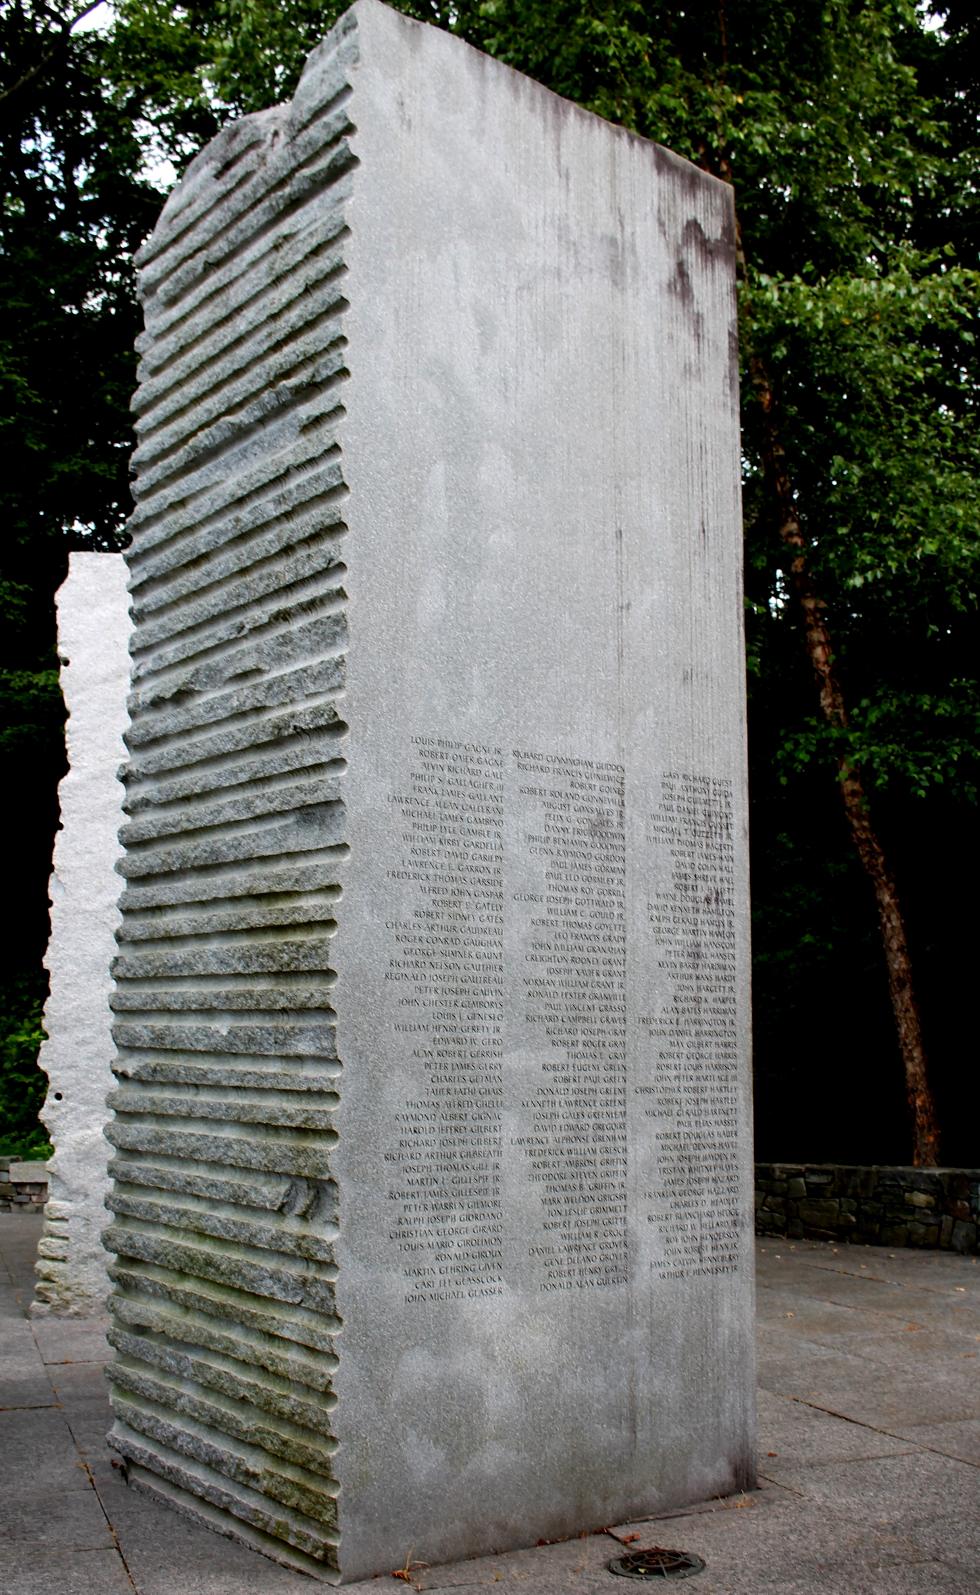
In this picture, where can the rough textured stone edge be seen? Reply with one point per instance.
(224, 1205)
(93, 632)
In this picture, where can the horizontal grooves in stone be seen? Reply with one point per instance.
(254, 1348)
(302, 508)
(171, 1420)
(298, 578)
(143, 1281)
(204, 1496)
(224, 1211)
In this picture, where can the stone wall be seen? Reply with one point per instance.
(876, 1206)
(23, 1186)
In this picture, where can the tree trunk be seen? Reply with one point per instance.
(908, 1025)
(865, 838)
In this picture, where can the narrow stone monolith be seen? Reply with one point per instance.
(93, 637)
(433, 1172)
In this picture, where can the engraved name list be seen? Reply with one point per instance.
(508, 986)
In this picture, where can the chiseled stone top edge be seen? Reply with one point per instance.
(318, 84)
(249, 132)
(324, 78)
(368, 14)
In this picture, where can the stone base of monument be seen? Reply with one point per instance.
(432, 1213)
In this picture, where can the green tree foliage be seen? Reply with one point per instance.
(73, 206)
(22, 1084)
(848, 128)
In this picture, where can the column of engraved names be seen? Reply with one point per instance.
(574, 1136)
(446, 963)
(691, 1093)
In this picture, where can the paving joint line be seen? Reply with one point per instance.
(889, 1434)
(102, 1508)
(35, 1406)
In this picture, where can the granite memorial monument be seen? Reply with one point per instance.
(432, 1202)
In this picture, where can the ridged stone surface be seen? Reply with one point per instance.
(223, 1207)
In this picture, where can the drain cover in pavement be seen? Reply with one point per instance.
(657, 1562)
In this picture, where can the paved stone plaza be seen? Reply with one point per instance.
(869, 1405)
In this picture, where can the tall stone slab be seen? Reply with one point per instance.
(432, 1200)
(93, 638)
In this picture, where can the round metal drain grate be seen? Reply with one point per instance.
(657, 1562)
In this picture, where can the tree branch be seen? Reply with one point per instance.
(66, 26)
(871, 853)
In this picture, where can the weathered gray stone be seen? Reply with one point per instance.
(897, 1206)
(432, 1195)
(819, 1213)
(93, 635)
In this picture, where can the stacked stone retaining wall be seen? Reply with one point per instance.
(872, 1205)
(23, 1186)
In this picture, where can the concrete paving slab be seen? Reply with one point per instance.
(922, 1267)
(796, 1435)
(794, 1546)
(11, 1305)
(17, 1338)
(79, 1384)
(785, 1310)
(25, 1571)
(168, 1554)
(81, 1390)
(942, 1306)
(94, 1452)
(38, 1444)
(71, 1339)
(953, 1538)
(809, 1371)
(24, 1382)
(19, 1256)
(785, 1307)
(573, 1567)
(767, 1494)
(25, 1386)
(47, 1515)
(22, 1236)
(934, 1500)
(886, 1402)
(919, 1267)
(942, 1271)
(868, 1390)
(861, 1291)
(917, 1351)
(960, 1439)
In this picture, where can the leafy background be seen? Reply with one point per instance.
(849, 131)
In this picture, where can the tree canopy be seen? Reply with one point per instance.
(849, 131)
